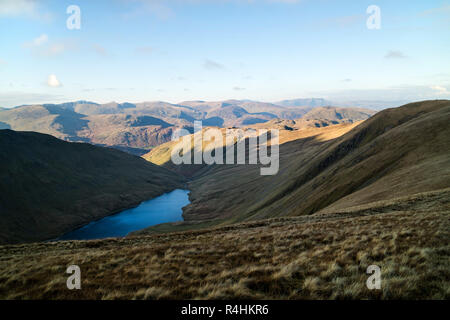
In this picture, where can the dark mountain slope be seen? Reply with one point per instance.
(48, 186)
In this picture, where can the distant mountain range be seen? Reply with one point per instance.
(136, 128)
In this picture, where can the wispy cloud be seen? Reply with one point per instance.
(393, 93)
(42, 46)
(17, 7)
(15, 98)
(158, 8)
(54, 49)
(38, 41)
(343, 21)
(212, 65)
(26, 8)
(395, 55)
(284, 1)
(444, 9)
(179, 78)
(238, 89)
(146, 50)
(441, 90)
(100, 50)
(162, 8)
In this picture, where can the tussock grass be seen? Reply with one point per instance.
(323, 256)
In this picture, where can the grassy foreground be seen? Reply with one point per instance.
(321, 256)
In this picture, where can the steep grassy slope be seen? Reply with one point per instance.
(312, 257)
(395, 153)
(48, 186)
(289, 130)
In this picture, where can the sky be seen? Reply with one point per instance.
(266, 50)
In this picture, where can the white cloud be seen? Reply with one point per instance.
(395, 55)
(53, 82)
(36, 42)
(440, 90)
(43, 38)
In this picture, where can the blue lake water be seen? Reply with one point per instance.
(165, 208)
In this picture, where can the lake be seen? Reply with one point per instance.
(165, 208)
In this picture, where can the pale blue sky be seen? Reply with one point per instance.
(268, 50)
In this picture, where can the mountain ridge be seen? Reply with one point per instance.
(141, 126)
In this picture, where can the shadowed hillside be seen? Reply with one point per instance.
(48, 186)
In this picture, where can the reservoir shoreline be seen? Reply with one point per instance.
(167, 207)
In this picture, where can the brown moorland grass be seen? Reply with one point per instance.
(322, 256)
